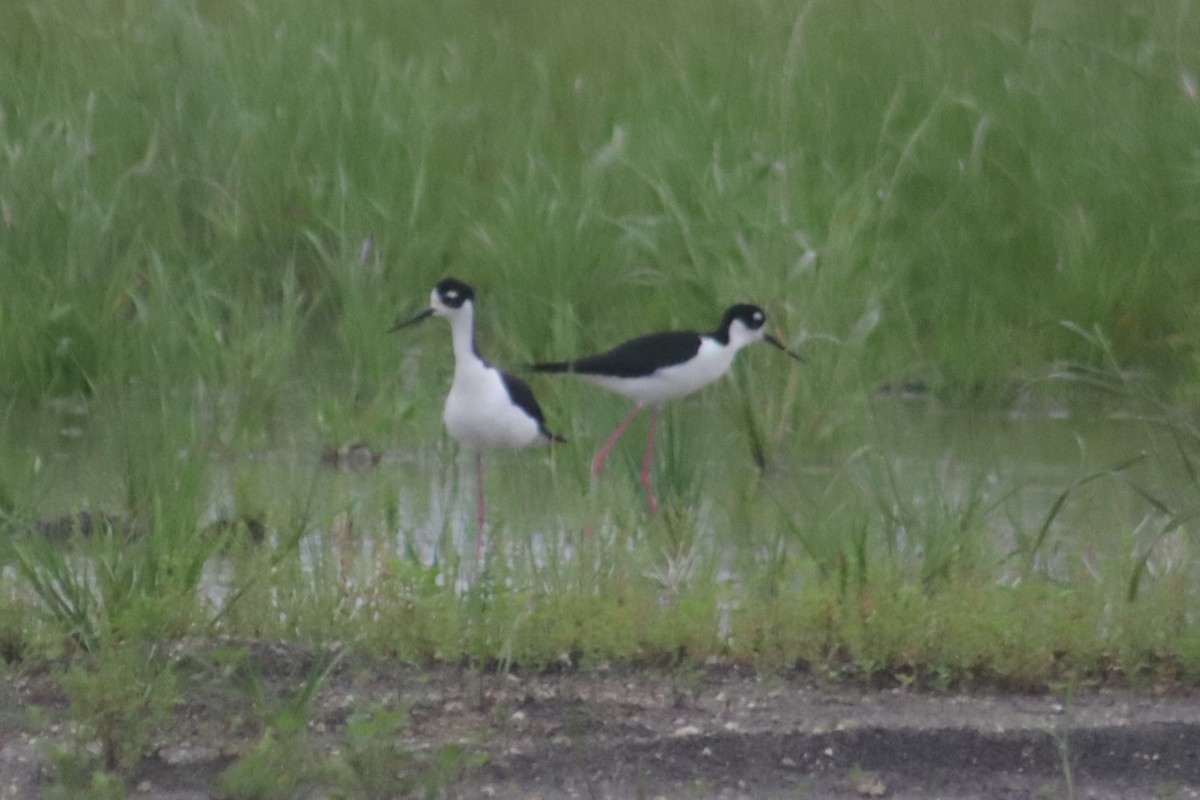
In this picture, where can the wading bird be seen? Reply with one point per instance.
(662, 366)
(486, 408)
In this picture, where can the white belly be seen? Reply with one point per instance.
(480, 414)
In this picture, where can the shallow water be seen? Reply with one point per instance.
(908, 467)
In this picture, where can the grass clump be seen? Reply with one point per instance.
(280, 763)
(118, 697)
(121, 698)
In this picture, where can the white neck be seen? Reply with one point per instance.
(740, 336)
(462, 331)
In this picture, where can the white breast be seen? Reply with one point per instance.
(479, 412)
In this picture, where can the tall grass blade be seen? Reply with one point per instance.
(1056, 507)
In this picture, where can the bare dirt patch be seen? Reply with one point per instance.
(620, 732)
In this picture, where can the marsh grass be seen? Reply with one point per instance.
(129, 575)
(282, 761)
(234, 169)
(212, 210)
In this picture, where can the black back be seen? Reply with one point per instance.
(640, 357)
(522, 396)
(636, 358)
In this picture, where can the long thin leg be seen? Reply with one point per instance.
(480, 504)
(602, 456)
(648, 460)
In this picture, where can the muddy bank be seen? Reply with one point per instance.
(617, 733)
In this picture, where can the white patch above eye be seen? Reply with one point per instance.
(452, 295)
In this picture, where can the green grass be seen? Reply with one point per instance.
(211, 211)
(198, 174)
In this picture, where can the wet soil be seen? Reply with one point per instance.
(717, 732)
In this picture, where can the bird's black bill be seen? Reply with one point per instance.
(424, 315)
(769, 339)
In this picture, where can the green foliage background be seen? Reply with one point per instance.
(187, 188)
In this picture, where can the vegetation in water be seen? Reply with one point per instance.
(212, 210)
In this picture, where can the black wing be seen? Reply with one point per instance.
(523, 397)
(636, 358)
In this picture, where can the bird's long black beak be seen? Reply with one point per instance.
(769, 339)
(424, 315)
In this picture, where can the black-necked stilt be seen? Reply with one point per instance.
(661, 366)
(486, 408)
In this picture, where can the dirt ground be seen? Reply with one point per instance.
(718, 732)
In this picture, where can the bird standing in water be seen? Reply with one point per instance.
(486, 408)
(653, 369)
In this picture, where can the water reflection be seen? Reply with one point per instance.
(911, 474)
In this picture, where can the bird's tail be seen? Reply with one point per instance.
(553, 366)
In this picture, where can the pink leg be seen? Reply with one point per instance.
(647, 461)
(602, 456)
(480, 504)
